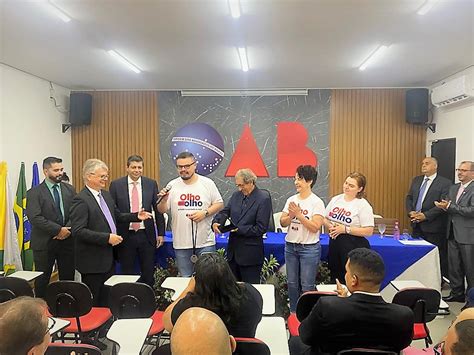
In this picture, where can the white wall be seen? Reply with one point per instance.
(455, 121)
(30, 125)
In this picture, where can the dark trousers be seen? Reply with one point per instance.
(338, 250)
(137, 244)
(95, 282)
(246, 273)
(461, 264)
(60, 251)
(438, 239)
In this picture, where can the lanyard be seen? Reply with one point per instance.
(194, 235)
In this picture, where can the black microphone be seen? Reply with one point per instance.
(167, 189)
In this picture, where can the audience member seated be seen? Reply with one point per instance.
(362, 320)
(215, 288)
(24, 327)
(199, 331)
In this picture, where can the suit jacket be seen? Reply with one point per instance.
(119, 192)
(358, 321)
(44, 216)
(246, 245)
(436, 219)
(461, 214)
(91, 231)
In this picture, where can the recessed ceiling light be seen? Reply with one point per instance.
(124, 61)
(372, 58)
(234, 7)
(244, 62)
(427, 5)
(58, 11)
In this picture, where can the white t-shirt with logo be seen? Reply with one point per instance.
(356, 213)
(310, 206)
(186, 199)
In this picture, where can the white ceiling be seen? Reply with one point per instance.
(191, 44)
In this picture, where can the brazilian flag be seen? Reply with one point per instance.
(23, 226)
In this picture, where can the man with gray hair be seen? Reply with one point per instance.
(459, 205)
(94, 217)
(249, 210)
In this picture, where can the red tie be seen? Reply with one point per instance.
(135, 205)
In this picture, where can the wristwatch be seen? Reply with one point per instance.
(348, 229)
(207, 213)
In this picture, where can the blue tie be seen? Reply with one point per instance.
(419, 202)
(57, 201)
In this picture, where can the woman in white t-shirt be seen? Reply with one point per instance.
(304, 215)
(349, 219)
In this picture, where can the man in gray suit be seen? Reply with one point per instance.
(460, 208)
(48, 212)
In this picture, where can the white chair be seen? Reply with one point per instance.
(278, 227)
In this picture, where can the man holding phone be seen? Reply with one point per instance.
(48, 212)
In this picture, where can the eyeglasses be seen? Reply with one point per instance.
(51, 324)
(187, 166)
(438, 349)
(102, 177)
(462, 170)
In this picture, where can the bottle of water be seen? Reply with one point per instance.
(396, 231)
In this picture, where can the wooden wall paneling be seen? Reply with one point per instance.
(368, 133)
(123, 123)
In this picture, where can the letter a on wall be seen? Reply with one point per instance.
(247, 155)
(291, 148)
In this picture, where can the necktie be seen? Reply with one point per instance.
(419, 202)
(108, 216)
(57, 201)
(460, 191)
(135, 205)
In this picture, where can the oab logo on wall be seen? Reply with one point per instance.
(203, 141)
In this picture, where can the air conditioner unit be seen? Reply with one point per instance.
(453, 91)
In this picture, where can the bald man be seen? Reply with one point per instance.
(429, 221)
(199, 331)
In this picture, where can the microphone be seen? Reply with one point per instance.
(167, 189)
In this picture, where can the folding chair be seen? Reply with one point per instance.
(424, 303)
(136, 300)
(251, 346)
(67, 349)
(13, 287)
(304, 306)
(72, 300)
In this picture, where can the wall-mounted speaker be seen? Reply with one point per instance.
(417, 105)
(80, 109)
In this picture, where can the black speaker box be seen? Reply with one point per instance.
(80, 109)
(417, 104)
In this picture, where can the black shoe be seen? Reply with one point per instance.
(454, 298)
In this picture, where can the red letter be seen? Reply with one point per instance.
(291, 148)
(246, 155)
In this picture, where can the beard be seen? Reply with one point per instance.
(187, 177)
(56, 179)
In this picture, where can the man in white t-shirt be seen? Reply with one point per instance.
(192, 200)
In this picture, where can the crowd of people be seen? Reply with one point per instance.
(89, 230)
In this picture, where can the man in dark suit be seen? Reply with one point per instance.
(362, 320)
(459, 205)
(428, 221)
(93, 221)
(47, 209)
(132, 193)
(249, 209)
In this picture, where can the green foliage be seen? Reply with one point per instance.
(163, 295)
(271, 275)
(323, 276)
(222, 253)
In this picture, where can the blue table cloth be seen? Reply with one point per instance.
(397, 257)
